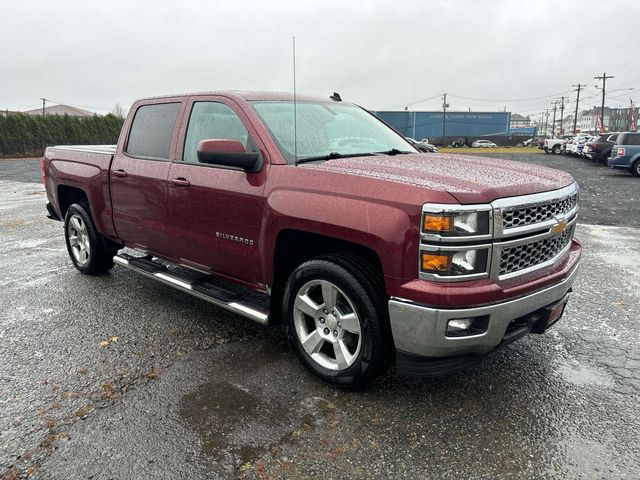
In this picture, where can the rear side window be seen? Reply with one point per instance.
(612, 138)
(151, 131)
(632, 139)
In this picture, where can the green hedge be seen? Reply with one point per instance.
(29, 135)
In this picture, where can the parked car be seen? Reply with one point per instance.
(483, 144)
(626, 153)
(599, 150)
(576, 144)
(553, 145)
(369, 254)
(426, 146)
(422, 146)
(416, 144)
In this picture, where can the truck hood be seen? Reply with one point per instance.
(468, 178)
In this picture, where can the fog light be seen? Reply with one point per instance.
(458, 326)
(464, 327)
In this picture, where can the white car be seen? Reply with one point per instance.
(483, 144)
(572, 148)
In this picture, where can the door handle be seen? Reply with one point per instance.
(180, 182)
(119, 173)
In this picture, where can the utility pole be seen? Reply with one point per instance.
(43, 101)
(562, 115)
(444, 119)
(553, 125)
(575, 118)
(546, 120)
(604, 83)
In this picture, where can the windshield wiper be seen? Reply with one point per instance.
(394, 151)
(334, 155)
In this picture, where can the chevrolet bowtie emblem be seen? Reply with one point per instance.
(560, 227)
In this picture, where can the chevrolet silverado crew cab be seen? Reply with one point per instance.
(315, 213)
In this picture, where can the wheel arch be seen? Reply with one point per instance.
(288, 255)
(68, 195)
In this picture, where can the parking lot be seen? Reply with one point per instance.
(119, 377)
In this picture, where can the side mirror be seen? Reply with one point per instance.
(228, 153)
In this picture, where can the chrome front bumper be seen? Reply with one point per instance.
(421, 330)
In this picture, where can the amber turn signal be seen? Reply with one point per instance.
(435, 223)
(432, 262)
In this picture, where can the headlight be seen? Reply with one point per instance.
(453, 263)
(444, 222)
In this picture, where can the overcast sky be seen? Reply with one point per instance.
(380, 54)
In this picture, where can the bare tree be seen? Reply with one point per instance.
(118, 111)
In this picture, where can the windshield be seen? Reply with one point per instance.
(328, 130)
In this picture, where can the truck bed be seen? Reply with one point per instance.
(107, 149)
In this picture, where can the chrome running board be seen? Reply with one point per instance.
(203, 287)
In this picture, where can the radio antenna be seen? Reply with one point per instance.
(295, 110)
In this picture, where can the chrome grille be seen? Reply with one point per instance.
(520, 257)
(532, 214)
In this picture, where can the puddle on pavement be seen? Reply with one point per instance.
(234, 425)
(583, 375)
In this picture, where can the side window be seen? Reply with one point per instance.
(151, 131)
(213, 121)
(633, 139)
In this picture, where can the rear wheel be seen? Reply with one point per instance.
(556, 149)
(635, 170)
(337, 320)
(89, 251)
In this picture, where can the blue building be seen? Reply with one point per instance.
(421, 125)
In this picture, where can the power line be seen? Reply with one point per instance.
(497, 100)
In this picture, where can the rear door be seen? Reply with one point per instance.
(139, 174)
(217, 211)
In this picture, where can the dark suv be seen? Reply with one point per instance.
(600, 150)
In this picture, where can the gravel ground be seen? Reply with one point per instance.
(118, 377)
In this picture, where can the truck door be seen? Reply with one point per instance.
(139, 174)
(217, 212)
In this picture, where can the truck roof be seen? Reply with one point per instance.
(250, 95)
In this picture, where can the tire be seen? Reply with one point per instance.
(635, 170)
(337, 321)
(89, 251)
(556, 149)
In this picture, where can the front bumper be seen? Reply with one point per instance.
(421, 330)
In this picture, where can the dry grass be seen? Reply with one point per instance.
(484, 151)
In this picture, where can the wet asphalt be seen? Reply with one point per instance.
(118, 377)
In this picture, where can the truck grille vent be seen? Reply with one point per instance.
(518, 258)
(533, 214)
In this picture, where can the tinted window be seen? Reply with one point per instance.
(612, 138)
(152, 129)
(213, 121)
(633, 139)
(628, 139)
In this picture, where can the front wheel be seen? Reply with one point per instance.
(556, 149)
(635, 170)
(336, 320)
(89, 251)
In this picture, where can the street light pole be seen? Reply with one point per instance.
(562, 115)
(444, 119)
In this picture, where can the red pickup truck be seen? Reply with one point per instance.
(315, 213)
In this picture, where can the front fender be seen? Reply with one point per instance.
(390, 231)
